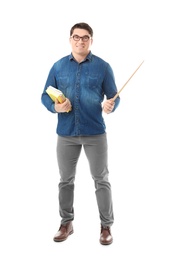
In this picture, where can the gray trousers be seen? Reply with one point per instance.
(68, 152)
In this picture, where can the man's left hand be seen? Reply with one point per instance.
(108, 106)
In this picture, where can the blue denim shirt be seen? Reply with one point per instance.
(85, 84)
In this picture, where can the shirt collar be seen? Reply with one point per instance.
(88, 57)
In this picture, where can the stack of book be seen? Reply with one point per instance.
(56, 94)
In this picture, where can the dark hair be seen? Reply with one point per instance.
(84, 26)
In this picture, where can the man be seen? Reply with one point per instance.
(85, 80)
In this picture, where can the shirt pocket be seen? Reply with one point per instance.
(93, 81)
(63, 81)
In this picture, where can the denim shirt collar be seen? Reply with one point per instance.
(88, 57)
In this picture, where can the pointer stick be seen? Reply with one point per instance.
(126, 82)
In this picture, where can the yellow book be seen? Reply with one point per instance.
(55, 93)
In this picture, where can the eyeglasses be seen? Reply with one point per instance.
(77, 38)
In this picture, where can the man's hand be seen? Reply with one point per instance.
(108, 106)
(63, 107)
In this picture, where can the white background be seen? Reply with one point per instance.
(34, 34)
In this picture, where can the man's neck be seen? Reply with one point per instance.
(79, 58)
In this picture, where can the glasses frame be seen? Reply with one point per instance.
(81, 37)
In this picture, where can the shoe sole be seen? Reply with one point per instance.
(106, 243)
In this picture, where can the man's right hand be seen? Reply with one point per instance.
(63, 107)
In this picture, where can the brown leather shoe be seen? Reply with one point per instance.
(63, 232)
(105, 236)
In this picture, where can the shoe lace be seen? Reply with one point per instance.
(63, 228)
(105, 228)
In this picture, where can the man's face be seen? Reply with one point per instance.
(80, 46)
